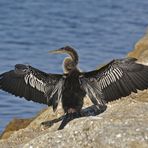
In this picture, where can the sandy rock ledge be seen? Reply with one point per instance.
(123, 124)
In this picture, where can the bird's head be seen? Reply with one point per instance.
(69, 63)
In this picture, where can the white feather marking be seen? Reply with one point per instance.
(121, 72)
(107, 79)
(26, 79)
(104, 83)
(116, 74)
(112, 77)
(91, 79)
(117, 71)
(35, 82)
(31, 80)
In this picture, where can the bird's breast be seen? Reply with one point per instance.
(72, 93)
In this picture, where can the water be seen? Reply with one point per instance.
(99, 30)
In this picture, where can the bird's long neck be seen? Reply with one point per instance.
(74, 56)
(69, 65)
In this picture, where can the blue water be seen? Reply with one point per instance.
(100, 30)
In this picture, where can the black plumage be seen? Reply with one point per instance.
(116, 79)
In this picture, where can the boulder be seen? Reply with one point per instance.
(140, 50)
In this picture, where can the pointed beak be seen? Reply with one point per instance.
(56, 51)
(66, 50)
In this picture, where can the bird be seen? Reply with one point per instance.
(118, 78)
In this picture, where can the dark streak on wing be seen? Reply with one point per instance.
(119, 78)
(26, 81)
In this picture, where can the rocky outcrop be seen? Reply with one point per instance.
(123, 124)
(15, 125)
(141, 50)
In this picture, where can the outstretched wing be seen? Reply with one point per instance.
(32, 84)
(115, 80)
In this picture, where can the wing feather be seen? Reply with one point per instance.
(30, 83)
(119, 78)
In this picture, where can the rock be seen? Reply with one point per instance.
(141, 50)
(123, 124)
(15, 125)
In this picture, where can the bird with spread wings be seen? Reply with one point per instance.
(116, 79)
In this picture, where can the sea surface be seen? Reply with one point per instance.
(100, 30)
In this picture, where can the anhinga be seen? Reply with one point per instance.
(116, 79)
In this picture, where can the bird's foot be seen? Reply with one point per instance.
(89, 111)
(51, 122)
(68, 117)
